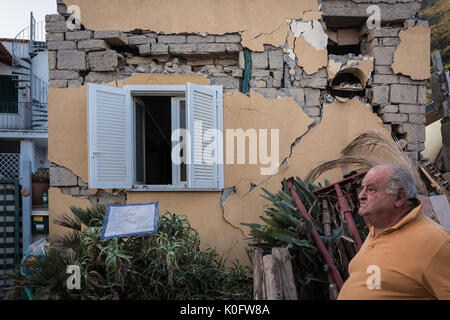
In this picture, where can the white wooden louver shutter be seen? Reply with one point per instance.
(202, 118)
(110, 147)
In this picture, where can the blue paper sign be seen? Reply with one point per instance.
(122, 221)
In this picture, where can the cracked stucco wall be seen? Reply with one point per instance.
(173, 42)
(218, 225)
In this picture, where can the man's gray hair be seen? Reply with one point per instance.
(401, 179)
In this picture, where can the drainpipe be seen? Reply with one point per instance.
(247, 71)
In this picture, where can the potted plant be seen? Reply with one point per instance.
(40, 184)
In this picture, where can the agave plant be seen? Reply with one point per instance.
(168, 264)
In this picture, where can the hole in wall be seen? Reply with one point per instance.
(347, 84)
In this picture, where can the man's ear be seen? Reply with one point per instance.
(400, 199)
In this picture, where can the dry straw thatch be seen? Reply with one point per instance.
(361, 154)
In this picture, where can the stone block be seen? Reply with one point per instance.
(390, 108)
(391, 42)
(63, 75)
(406, 94)
(226, 62)
(186, 68)
(233, 47)
(394, 118)
(383, 55)
(277, 75)
(241, 60)
(312, 111)
(112, 37)
(103, 61)
(171, 39)
(236, 72)
(276, 59)
(276, 83)
(313, 82)
(78, 35)
(229, 38)
(138, 60)
(58, 83)
(298, 94)
(59, 26)
(383, 70)
(54, 18)
(61, 45)
(416, 118)
(258, 83)
(200, 39)
(415, 133)
(380, 95)
(71, 60)
(384, 33)
(93, 45)
(51, 60)
(269, 93)
(312, 97)
(260, 73)
(205, 48)
(145, 49)
(141, 39)
(407, 80)
(422, 95)
(75, 83)
(385, 79)
(158, 48)
(185, 48)
(55, 36)
(260, 60)
(226, 82)
(200, 62)
(62, 177)
(99, 77)
(409, 108)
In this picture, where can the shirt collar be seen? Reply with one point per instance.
(414, 214)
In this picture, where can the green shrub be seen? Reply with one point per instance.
(165, 265)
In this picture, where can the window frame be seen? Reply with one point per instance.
(174, 91)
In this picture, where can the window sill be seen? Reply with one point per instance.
(144, 188)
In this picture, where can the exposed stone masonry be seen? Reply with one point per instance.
(81, 56)
(398, 100)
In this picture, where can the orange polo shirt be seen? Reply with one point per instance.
(410, 260)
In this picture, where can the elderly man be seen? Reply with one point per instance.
(406, 255)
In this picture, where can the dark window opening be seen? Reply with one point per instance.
(153, 140)
(8, 95)
(343, 50)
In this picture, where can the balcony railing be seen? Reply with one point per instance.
(23, 116)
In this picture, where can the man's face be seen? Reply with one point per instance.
(375, 202)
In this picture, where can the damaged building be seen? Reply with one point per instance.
(319, 72)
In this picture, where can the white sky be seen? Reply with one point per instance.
(15, 14)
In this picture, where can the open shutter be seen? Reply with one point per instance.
(109, 138)
(202, 119)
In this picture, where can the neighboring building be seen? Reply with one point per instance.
(23, 132)
(129, 74)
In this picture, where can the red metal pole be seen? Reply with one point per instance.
(348, 215)
(317, 240)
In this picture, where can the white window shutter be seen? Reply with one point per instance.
(109, 137)
(202, 119)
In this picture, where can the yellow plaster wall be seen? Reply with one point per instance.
(262, 21)
(412, 56)
(218, 226)
(59, 204)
